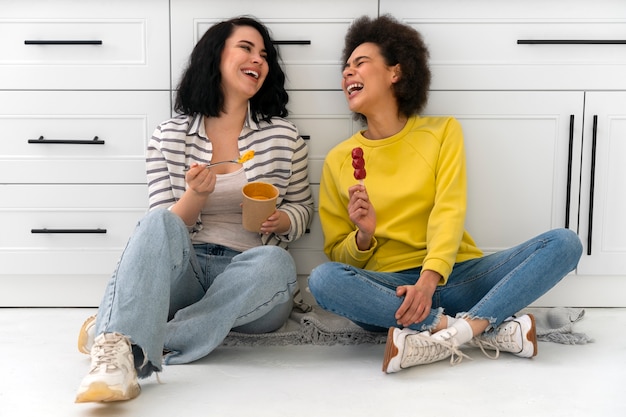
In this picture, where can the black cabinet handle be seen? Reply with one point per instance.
(592, 181)
(571, 42)
(569, 170)
(306, 137)
(61, 42)
(68, 231)
(41, 140)
(291, 42)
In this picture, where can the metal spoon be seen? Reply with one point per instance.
(243, 158)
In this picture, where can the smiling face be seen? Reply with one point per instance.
(368, 80)
(243, 63)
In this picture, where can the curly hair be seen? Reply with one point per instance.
(200, 90)
(399, 44)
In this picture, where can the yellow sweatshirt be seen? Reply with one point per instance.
(416, 182)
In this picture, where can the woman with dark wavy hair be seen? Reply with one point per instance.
(190, 272)
(402, 259)
(200, 89)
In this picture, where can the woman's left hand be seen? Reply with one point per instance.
(278, 222)
(418, 299)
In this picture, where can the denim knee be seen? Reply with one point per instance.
(162, 217)
(317, 280)
(568, 241)
(276, 264)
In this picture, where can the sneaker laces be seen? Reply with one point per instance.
(428, 349)
(483, 343)
(503, 336)
(104, 352)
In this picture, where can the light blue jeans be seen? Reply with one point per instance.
(167, 294)
(493, 287)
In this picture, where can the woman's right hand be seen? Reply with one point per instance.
(200, 180)
(200, 183)
(362, 214)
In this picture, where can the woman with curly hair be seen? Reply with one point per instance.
(401, 259)
(190, 272)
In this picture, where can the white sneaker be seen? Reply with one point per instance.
(406, 348)
(516, 335)
(86, 335)
(112, 376)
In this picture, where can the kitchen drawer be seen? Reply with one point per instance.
(537, 46)
(84, 45)
(310, 36)
(79, 229)
(324, 120)
(526, 55)
(78, 136)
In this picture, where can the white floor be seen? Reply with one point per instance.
(40, 369)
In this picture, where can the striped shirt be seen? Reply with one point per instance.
(280, 158)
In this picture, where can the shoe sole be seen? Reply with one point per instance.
(101, 392)
(390, 350)
(531, 336)
(83, 335)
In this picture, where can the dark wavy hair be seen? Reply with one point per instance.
(399, 44)
(200, 91)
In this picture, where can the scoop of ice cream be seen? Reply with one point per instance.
(248, 155)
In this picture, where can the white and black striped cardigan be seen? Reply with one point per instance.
(280, 158)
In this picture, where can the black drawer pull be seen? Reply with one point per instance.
(305, 137)
(570, 42)
(94, 141)
(291, 42)
(68, 231)
(570, 154)
(592, 181)
(59, 42)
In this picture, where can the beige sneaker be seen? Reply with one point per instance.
(86, 335)
(112, 376)
(517, 335)
(406, 348)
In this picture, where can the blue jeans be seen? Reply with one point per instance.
(492, 287)
(167, 294)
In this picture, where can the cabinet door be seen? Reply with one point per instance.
(603, 190)
(69, 44)
(59, 243)
(87, 137)
(309, 34)
(513, 45)
(520, 161)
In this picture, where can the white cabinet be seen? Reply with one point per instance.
(82, 86)
(60, 243)
(309, 34)
(78, 136)
(529, 81)
(603, 186)
(522, 178)
(534, 44)
(69, 44)
(84, 83)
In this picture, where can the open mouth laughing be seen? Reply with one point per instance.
(354, 87)
(251, 73)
